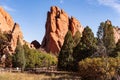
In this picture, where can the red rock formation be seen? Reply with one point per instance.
(75, 26)
(7, 25)
(116, 34)
(6, 22)
(57, 25)
(16, 33)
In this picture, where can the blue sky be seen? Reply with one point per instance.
(31, 15)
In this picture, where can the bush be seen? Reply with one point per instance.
(47, 59)
(35, 58)
(98, 68)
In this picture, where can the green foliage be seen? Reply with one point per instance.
(87, 46)
(65, 58)
(30, 56)
(101, 49)
(19, 56)
(88, 38)
(47, 59)
(106, 41)
(108, 37)
(98, 68)
(35, 58)
(100, 32)
(116, 52)
(77, 38)
(4, 41)
(8, 61)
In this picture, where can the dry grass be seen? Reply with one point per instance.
(27, 76)
(23, 76)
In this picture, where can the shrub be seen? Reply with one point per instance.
(98, 68)
(36, 58)
(46, 59)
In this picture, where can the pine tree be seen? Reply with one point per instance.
(108, 37)
(116, 52)
(100, 31)
(76, 38)
(106, 43)
(65, 58)
(8, 61)
(19, 56)
(101, 49)
(87, 46)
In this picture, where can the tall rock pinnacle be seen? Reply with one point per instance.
(57, 25)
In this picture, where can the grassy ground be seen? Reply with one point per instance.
(20, 76)
(26, 76)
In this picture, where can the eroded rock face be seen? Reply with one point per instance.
(6, 22)
(16, 33)
(7, 25)
(116, 34)
(75, 26)
(57, 25)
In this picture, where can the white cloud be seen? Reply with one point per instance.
(115, 4)
(7, 8)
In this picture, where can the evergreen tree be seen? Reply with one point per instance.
(65, 58)
(87, 46)
(8, 61)
(100, 31)
(101, 49)
(19, 56)
(76, 38)
(116, 52)
(108, 37)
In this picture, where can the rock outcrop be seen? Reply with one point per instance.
(6, 22)
(7, 25)
(36, 44)
(75, 26)
(16, 33)
(116, 33)
(57, 25)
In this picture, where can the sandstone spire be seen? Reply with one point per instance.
(57, 25)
